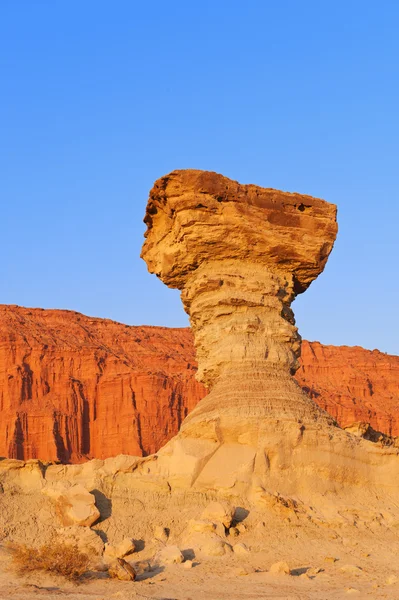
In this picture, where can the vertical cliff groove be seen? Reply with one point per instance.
(73, 387)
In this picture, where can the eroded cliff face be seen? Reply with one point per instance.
(67, 383)
(352, 384)
(74, 387)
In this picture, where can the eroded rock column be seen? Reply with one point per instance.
(240, 315)
(240, 254)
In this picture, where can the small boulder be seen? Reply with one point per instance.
(313, 571)
(126, 546)
(352, 570)
(213, 546)
(240, 549)
(220, 530)
(202, 526)
(219, 513)
(234, 532)
(170, 555)
(121, 569)
(161, 534)
(204, 538)
(330, 559)
(188, 564)
(280, 568)
(75, 505)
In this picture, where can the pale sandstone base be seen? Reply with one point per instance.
(304, 495)
(319, 473)
(356, 548)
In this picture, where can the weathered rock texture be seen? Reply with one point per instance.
(352, 384)
(45, 355)
(257, 446)
(240, 254)
(72, 387)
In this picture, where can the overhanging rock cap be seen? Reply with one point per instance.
(193, 216)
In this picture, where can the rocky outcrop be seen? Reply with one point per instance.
(256, 456)
(63, 351)
(73, 387)
(352, 384)
(240, 254)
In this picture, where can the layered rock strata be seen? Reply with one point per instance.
(74, 387)
(240, 254)
(257, 444)
(352, 384)
(111, 363)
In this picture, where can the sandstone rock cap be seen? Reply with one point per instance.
(195, 215)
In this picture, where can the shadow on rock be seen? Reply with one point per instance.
(103, 504)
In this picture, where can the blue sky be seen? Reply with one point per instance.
(100, 98)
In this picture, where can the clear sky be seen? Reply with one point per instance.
(98, 98)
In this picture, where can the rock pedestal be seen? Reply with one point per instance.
(240, 254)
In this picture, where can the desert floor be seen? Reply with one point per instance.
(227, 578)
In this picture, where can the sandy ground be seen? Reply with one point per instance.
(333, 550)
(224, 578)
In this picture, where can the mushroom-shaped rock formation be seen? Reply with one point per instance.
(240, 254)
(256, 448)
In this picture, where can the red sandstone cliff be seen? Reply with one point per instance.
(74, 387)
(353, 384)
